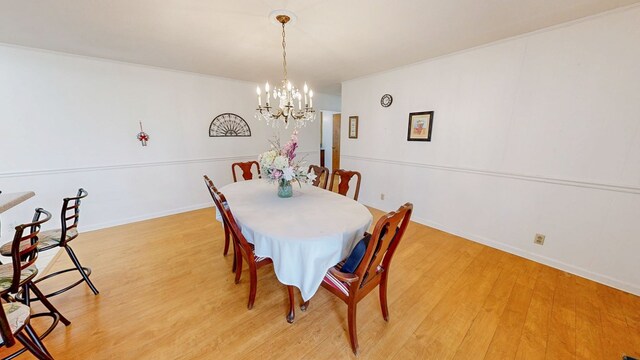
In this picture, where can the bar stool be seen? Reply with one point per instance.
(61, 238)
(18, 276)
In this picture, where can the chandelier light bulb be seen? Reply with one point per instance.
(266, 87)
(258, 90)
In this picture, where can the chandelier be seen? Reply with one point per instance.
(289, 104)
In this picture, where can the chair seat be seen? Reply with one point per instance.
(45, 239)
(340, 285)
(17, 315)
(6, 275)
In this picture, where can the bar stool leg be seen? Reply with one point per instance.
(28, 344)
(76, 262)
(48, 304)
(36, 340)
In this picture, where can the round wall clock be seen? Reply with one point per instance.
(229, 124)
(386, 100)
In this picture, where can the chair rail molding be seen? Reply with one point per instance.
(12, 174)
(630, 189)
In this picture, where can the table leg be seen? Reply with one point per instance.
(292, 312)
(304, 306)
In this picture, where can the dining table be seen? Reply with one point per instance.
(9, 200)
(303, 235)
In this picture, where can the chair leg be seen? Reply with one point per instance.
(226, 240)
(353, 336)
(235, 258)
(36, 340)
(238, 266)
(73, 257)
(253, 285)
(26, 294)
(383, 298)
(33, 348)
(48, 304)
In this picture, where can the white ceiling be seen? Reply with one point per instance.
(332, 41)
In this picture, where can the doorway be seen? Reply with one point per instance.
(330, 141)
(335, 144)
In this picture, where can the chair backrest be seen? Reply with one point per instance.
(69, 222)
(246, 169)
(384, 241)
(24, 248)
(322, 176)
(212, 189)
(230, 221)
(344, 178)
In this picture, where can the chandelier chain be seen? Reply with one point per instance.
(284, 53)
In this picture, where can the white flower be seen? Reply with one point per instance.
(311, 176)
(288, 173)
(266, 158)
(281, 162)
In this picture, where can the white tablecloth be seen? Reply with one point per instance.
(304, 235)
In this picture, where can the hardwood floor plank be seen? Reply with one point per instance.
(588, 323)
(617, 339)
(506, 338)
(561, 340)
(477, 340)
(533, 342)
(439, 335)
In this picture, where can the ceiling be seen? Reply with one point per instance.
(332, 40)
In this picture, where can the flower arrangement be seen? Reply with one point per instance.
(279, 165)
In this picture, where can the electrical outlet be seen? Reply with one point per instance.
(381, 196)
(539, 239)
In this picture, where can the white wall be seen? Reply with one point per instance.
(536, 134)
(68, 121)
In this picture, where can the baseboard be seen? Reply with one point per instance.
(153, 215)
(603, 279)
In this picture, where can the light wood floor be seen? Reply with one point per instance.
(168, 293)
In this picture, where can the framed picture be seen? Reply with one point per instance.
(420, 124)
(353, 127)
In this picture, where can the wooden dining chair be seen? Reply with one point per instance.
(322, 176)
(243, 249)
(370, 262)
(212, 191)
(344, 179)
(60, 238)
(18, 276)
(246, 167)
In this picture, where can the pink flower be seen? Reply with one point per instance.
(289, 149)
(277, 174)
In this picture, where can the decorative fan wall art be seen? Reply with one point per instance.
(229, 125)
